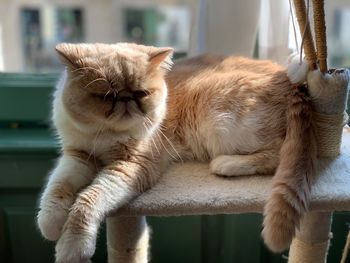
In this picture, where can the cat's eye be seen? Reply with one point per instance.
(139, 94)
(105, 97)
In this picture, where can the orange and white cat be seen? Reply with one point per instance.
(122, 116)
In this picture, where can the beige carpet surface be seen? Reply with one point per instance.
(189, 188)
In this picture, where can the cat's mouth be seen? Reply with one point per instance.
(122, 112)
(126, 114)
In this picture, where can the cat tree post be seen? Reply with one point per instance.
(328, 92)
(312, 240)
(127, 239)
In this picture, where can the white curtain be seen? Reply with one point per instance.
(231, 27)
(274, 30)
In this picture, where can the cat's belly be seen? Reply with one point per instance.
(223, 134)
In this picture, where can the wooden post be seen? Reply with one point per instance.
(127, 239)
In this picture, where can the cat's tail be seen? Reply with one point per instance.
(291, 184)
(297, 69)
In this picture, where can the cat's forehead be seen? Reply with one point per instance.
(118, 55)
(125, 61)
(118, 60)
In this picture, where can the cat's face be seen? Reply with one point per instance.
(120, 87)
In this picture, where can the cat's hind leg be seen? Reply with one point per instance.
(264, 162)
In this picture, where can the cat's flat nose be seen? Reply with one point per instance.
(125, 98)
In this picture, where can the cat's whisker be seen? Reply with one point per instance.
(165, 148)
(170, 143)
(144, 124)
(154, 143)
(91, 82)
(159, 124)
(104, 97)
(116, 80)
(161, 141)
(94, 142)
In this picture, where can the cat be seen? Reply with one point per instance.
(122, 117)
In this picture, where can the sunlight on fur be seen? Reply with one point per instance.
(122, 117)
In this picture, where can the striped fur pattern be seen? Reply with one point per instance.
(122, 119)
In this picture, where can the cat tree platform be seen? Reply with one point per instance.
(189, 189)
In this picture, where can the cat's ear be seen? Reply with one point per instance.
(70, 54)
(160, 58)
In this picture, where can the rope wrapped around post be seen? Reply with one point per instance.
(305, 31)
(320, 34)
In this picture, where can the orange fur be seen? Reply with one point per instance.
(260, 94)
(293, 179)
(241, 115)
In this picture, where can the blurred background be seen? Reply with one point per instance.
(30, 29)
(29, 69)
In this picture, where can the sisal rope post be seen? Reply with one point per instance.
(311, 242)
(328, 94)
(329, 129)
(127, 239)
(304, 26)
(320, 34)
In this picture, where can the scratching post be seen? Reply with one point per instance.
(308, 43)
(320, 33)
(127, 239)
(311, 242)
(328, 91)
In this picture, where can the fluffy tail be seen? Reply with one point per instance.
(296, 70)
(290, 194)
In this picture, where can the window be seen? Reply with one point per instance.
(30, 33)
(339, 38)
(41, 29)
(161, 26)
(31, 37)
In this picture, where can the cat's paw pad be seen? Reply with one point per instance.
(51, 221)
(230, 165)
(75, 248)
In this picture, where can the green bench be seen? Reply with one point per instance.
(27, 153)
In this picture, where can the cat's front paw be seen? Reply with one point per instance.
(51, 221)
(75, 248)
